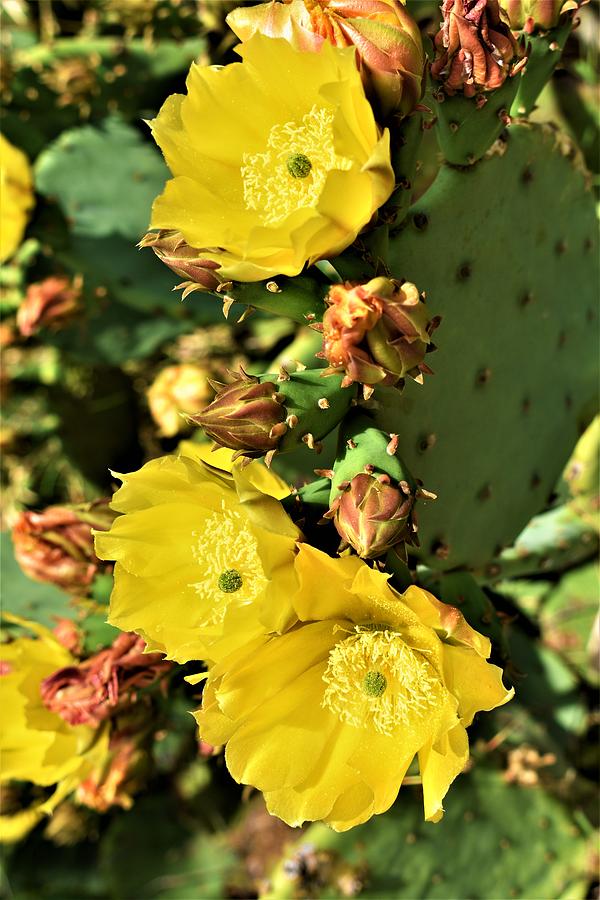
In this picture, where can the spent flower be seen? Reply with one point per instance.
(475, 49)
(377, 333)
(50, 303)
(56, 545)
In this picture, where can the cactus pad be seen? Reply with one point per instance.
(505, 251)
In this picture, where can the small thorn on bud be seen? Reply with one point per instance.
(441, 550)
(318, 447)
(284, 375)
(300, 367)
(323, 403)
(224, 287)
(291, 421)
(368, 391)
(424, 494)
(273, 287)
(269, 458)
(384, 479)
(324, 473)
(310, 317)
(350, 444)
(554, 46)
(369, 468)
(309, 440)
(392, 447)
(404, 487)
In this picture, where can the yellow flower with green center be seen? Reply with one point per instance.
(194, 544)
(277, 160)
(16, 188)
(37, 745)
(364, 682)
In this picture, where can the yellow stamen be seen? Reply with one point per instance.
(374, 679)
(231, 571)
(292, 171)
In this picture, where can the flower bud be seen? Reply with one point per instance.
(372, 514)
(49, 304)
(389, 49)
(474, 48)
(246, 416)
(378, 332)
(188, 262)
(175, 390)
(57, 545)
(531, 14)
(88, 693)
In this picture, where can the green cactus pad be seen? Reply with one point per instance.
(506, 253)
(495, 840)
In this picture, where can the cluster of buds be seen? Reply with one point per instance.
(177, 390)
(373, 495)
(57, 545)
(92, 691)
(51, 303)
(259, 415)
(190, 263)
(475, 49)
(377, 333)
(389, 50)
(529, 15)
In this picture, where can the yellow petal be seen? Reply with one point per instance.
(440, 762)
(476, 683)
(446, 619)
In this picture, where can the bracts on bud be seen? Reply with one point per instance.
(373, 495)
(377, 333)
(261, 415)
(190, 263)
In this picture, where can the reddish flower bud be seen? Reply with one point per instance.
(373, 515)
(49, 304)
(57, 545)
(377, 332)
(246, 415)
(88, 693)
(188, 262)
(389, 49)
(474, 47)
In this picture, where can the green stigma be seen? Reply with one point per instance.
(299, 165)
(230, 581)
(374, 684)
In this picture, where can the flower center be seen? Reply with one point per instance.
(291, 173)
(226, 553)
(230, 581)
(374, 679)
(298, 165)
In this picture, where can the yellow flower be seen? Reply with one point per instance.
(176, 390)
(326, 718)
(16, 189)
(37, 745)
(277, 160)
(196, 542)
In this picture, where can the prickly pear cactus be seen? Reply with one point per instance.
(506, 250)
(333, 631)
